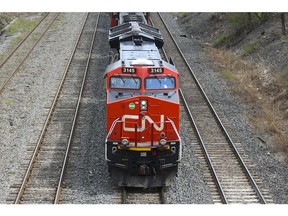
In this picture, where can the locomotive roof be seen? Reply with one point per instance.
(125, 17)
(147, 50)
(137, 44)
(129, 63)
(134, 31)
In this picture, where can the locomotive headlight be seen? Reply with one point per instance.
(125, 142)
(163, 142)
(143, 105)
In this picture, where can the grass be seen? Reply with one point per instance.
(8, 102)
(183, 14)
(242, 21)
(269, 105)
(21, 26)
(240, 24)
(225, 38)
(220, 40)
(6, 18)
(250, 48)
(228, 75)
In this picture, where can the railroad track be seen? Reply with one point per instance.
(15, 59)
(143, 196)
(226, 173)
(42, 180)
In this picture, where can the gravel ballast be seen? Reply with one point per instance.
(26, 100)
(24, 105)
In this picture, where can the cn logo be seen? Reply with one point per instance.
(143, 123)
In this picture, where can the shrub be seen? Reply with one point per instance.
(183, 14)
(223, 39)
(228, 75)
(250, 48)
(244, 21)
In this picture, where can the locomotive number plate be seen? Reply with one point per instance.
(128, 70)
(156, 70)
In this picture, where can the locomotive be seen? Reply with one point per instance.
(143, 145)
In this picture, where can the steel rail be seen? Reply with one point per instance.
(22, 41)
(239, 158)
(206, 154)
(57, 196)
(43, 131)
(26, 56)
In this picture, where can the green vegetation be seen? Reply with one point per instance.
(4, 19)
(219, 41)
(245, 21)
(250, 48)
(21, 26)
(225, 38)
(239, 25)
(228, 75)
(183, 14)
(237, 21)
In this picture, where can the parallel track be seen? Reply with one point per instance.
(42, 181)
(230, 175)
(15, 59)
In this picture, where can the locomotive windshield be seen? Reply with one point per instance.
(160, 83)
(120, 82)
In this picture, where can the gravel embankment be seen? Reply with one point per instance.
(26, 100)
(272, 170)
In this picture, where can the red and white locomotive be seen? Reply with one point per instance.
(143, 145)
